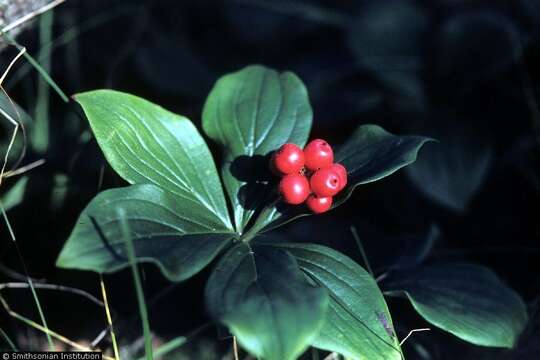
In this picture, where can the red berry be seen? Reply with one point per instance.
(294, 189)
(318, 154)
(325, 182)
(319, 204)
(288, 159)
(342, 173)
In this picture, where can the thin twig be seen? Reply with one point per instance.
(17, 276)
(24, 285)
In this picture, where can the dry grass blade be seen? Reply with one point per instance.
(15, 123)
(412, 332)
(109, 319)
(38, 67)
(100, 337)
(31, 15)
(235, 348)
(21, 285)
(24, 169)
(28, 278)
(48, 331)
(332, 356)
(8, 340)
(19, 54)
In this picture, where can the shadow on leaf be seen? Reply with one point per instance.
(259, 183)
(106, 241)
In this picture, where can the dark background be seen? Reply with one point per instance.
(464, 72)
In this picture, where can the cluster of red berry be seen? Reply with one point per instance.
(308, 175)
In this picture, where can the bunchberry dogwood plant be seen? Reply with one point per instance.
(183, 213)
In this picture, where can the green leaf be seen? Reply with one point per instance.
(358, 324)
(452, 172)
(179, 238)
(15, 195)
(251, 113)
(145, 143)
(266, 301)
(370, 154)
(467, 300)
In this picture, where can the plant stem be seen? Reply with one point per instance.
(40, 135)
(260, 223)
(37, 66)
(361, 248)
(130, 249)
(8, 340)
(109, 318)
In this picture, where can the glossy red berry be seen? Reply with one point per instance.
(325, 182)
(319, 204)
(342, 173)
(288, 159)
(294, 189)
(318, 154)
